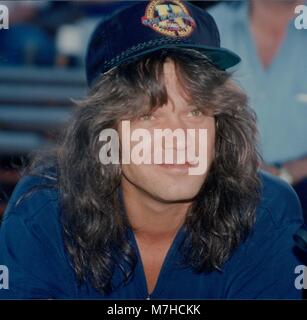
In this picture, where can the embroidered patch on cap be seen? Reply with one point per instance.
(171, 18)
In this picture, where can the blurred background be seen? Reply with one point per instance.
(42, 70)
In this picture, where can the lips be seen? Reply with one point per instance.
(188, 165)
(176, 167)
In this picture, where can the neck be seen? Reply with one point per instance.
(149, 217)
(272, 15)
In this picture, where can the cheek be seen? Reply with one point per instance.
(134, 171)
(145, 177)
(210, 140)
(129, 172)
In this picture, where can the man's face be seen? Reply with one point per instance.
(171, 182)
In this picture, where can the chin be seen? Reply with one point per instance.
(165, 186)
(175, 198)
(174, 193)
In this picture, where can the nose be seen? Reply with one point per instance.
(176, 129)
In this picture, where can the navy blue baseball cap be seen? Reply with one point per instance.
(147, 26)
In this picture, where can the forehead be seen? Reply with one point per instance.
(174, 87)
(170, 74)
(169, 71)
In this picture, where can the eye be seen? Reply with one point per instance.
(147, 117)
(195, 113)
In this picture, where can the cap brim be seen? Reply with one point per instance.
(221, 57)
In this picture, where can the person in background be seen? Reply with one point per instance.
(25, 42)
(73, 33)
(273, 72)
(51, 32)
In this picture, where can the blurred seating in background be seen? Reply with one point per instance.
(34, 105)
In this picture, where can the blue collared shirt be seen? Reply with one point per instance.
(278, 94)
(32, 248)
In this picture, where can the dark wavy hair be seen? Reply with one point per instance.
(221, 215)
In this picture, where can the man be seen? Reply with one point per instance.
(87, 226)
(273, 52)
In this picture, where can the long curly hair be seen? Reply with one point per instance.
(221, 215)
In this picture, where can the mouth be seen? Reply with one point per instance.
(180, 168)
